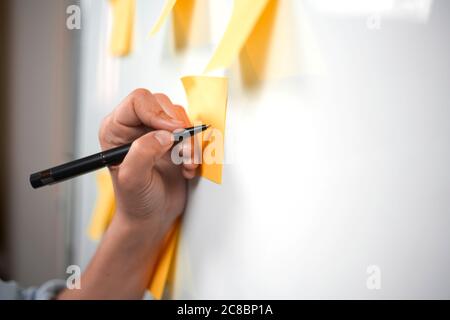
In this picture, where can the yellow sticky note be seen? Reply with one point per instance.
(243, 19)
(190, 23)
(122, 29)
(269, 51)
(165, 261)
(207, 100)
(104, 206)
(101, 218)
(282, 44)
(163, 16)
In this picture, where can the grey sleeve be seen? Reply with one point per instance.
(11, 291)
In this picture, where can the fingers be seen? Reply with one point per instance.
(188, 174)
(173, 110)
(136, 169)
(182, 115)
(167, 105)
(142, 108)
(178, 112)
(139, 113)
(136, 115)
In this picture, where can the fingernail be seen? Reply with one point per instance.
(164, 137)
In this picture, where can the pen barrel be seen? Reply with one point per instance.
(78, 167)
(116, 155)
(96, 161)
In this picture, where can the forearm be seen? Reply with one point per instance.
(123, 263)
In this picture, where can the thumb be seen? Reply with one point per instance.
(143, 154)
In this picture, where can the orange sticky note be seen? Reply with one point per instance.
(165, 260)
(243, 19)
(163, 16)
(207, 100)
(101, 218)
(122, 29)
(190, 22)
(104, 206)
(281, 44)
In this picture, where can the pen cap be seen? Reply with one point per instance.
(40, 179)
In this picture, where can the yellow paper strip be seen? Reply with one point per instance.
(163, 16)
(207, 100)
(281, 45)
(190, 21)
(160, 275)
(104, 207)
(244, 17)
(123, 23)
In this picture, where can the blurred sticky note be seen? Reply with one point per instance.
(207, 101)
(191, 23)
(101, 218)
(122, 29)
(281, 44)
(165, 261)
(243, 19)
(163, 16)
(104, 206)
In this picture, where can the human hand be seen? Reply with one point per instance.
(148, 186)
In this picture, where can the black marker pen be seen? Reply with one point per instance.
(96, 161)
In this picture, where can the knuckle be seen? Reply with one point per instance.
(162, 96)
(159, 113)
(138, 147)
(140, 93)
(179, 108)
(125, 179)
(143, 147)
(103, 128)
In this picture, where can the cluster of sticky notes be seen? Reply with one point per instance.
(123, 12)
(247, 32)
(207, 96)
(207, 99)
(163, 16)
(243, 19)
(259, 32)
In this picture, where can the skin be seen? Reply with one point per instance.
(150, 195)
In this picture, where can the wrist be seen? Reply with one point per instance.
(142, 233)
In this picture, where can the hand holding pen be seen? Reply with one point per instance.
(150, 193)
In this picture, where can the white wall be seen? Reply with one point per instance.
(330, 173)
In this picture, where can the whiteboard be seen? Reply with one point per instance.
(328, 175)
